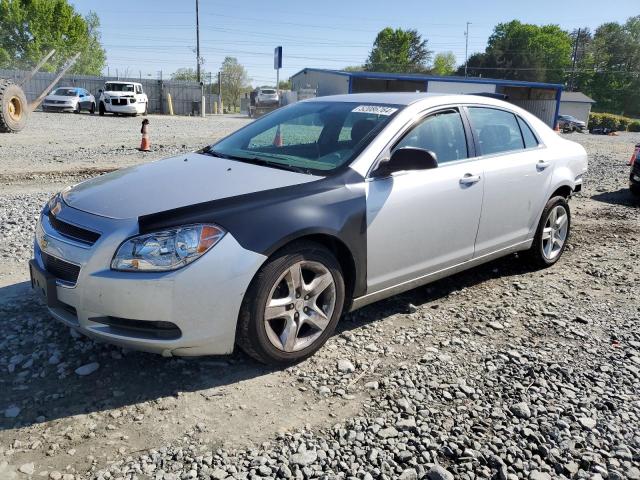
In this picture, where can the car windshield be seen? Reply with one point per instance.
(118, 87)
(312, 137)
(66, 92)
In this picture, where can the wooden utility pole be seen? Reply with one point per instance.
(575, 61)
(466, 49)
(198, 40)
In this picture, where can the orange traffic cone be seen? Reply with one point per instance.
(145, 144)
(277, 140)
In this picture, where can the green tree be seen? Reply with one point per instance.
(444, 63)
(29, 29)
(522, 51)
(284, 85)
(235, 81)
(186, 74)
(608, 71)
(398, 51)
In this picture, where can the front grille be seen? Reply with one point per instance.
(71, 231)
(143, 328)
(60, 269)
(118, 101)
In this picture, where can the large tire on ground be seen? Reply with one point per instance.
(146, 109)
(101, 109)
(14, 109)
(78, 108)
(292, 305)
(635, 190)
(551, 235)
(92, 110)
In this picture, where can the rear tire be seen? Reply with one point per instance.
(14, 109)
(284, 320)
(92, 110)
(551, 235)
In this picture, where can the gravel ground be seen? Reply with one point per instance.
(500, 372)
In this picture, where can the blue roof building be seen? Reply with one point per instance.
(541, 99)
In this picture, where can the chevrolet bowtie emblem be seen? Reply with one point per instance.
(44, 243)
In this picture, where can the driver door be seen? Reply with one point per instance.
(423, 221)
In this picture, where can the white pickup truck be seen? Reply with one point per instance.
(124, 98)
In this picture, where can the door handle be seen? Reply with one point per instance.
(542, 164)
(469, 179)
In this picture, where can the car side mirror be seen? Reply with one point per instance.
(407, 158)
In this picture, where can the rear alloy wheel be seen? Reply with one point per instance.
(292, 306)
(552, 233)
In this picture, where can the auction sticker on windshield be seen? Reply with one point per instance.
(375, 109)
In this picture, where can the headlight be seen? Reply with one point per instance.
(167, 249)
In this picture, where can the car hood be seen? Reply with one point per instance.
(175, 182)
(60, 97)
(119, 94)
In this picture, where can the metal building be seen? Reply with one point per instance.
(541, 99)
(577, 105)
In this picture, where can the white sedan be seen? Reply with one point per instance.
(265, 238)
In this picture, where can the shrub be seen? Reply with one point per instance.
(614, 122)
(634, 126)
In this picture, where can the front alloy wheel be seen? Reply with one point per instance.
(292, 305)
(300, 306)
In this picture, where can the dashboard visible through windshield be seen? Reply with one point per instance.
(311, 137)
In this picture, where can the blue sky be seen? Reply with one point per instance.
(143, 37)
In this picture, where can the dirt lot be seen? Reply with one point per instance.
(500, 372)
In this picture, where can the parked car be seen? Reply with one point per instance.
(570, 124)
(268, 236)
(123, 98)
(634, 175)
(69, 99)
(267, 96)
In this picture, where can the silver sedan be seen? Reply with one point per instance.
(69, 99)
(265, 238)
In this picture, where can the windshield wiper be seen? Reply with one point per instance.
(256, 161)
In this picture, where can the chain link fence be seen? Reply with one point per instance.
(185, 95)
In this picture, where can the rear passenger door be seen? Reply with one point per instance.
(517, 176)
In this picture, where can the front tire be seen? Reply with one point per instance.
(292, 305)
(78, 108)
(92, 110)
(552, 233)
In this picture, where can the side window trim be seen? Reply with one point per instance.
(385, 153)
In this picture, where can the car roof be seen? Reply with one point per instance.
(409, 98)
(123, 82)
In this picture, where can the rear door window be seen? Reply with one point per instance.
(530, 140)
(497, 131)
(441, 133)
